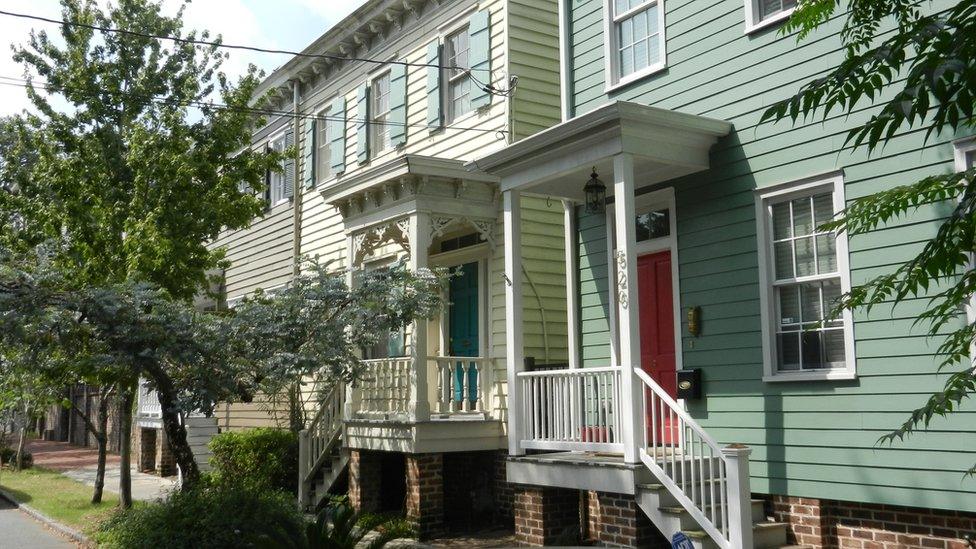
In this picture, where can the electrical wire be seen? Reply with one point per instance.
(488, 87)
(23, 83)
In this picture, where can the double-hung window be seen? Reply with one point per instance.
(635, 45)
(805, 273)
(379, 96)
(325, 128)
(276, 181)
(457, 48)
(762, 13)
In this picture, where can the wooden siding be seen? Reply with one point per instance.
(533, 43)
(814, 439)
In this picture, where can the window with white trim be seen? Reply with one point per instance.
(636, 38)
(276, 180)
(457, 49)
(379, 96)
(804, 276)
(760, 13)
(326, 128)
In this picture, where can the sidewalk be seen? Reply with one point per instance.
(80, 464)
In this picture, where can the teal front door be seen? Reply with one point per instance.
(463, 328)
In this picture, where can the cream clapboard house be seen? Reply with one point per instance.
(384, 131)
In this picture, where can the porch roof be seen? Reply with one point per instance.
(665, 144)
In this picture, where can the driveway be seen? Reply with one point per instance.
(19, 530)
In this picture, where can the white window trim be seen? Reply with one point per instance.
(324, 117)
(373, 136)
(752, 14)
(764, 197)
(960, 148)
(280, 136)
(612, 78)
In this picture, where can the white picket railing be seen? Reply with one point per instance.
(710, 482)
(463, 384)
(148, 406)
(318, 442)
(572, 409)
(384, 388)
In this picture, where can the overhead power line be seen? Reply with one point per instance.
(23, 83)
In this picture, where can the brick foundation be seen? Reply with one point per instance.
(144, 445)
(165, 462)
(830, 524)
(546, 516)
(504, 491)
(615, 520)
(364, 480)
(425, 493)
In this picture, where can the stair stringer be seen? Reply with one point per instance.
(328, 476)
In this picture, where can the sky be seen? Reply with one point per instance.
(274, 24)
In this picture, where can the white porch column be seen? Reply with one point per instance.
(628, 326)
(352, 392)
(419, 243)
(572, 281)
(514, 351)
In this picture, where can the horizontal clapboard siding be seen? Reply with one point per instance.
(533, 43)
(815, 439)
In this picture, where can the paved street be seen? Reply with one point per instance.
(18, 530)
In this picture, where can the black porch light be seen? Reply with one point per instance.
(596, 194)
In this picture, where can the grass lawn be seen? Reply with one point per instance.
(58, 497)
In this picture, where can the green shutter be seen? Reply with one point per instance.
(338, 134)
(479, 30)
(434, 110)
(398, 105)
(309, 156)
(289, 190)
(362, 126)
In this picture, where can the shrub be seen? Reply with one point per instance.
(8, 456)
(260, 458)
(207, 516)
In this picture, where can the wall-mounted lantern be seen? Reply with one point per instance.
(596, 194)
(694, 321)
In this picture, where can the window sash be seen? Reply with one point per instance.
(380, 109)
(651, 39)
(277, 180)
(763, 12)
(323, 146)
(457, 49)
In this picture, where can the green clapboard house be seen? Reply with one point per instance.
(703, 395)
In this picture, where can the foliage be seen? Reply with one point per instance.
(262, 458)
(916, 64)
(8, 455)
(205, 516)
(338, 526)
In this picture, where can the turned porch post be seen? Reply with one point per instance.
(419, 236)
(628, 326)
(514, 352)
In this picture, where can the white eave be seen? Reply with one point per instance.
(664, 143)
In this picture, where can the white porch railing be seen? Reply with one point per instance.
(148, 406)
(576, 409)
(384, 389)
(463, 384)
(317, 444)
(710, 482)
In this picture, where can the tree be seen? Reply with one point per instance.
(312, 329)
(134, 185)
(916, 64)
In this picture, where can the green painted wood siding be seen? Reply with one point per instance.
(816, 439)
(533, 43)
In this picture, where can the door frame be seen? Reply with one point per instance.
(480, 254)
(658, 199)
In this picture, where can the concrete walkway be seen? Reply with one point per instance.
(19, 530)
(80, 463)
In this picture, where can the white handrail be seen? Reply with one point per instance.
(710, 482)
(319, 440)
(569, 372)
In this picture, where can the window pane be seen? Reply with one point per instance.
(831, 294)
(826, 254)
(637, 40)
(788, 347)
(812, 350)
(641, 56)
(789, 305)
(626, 61)
(784, 260)
(655, 224)
(627, 32)
(804, 256)
(812, 307)
(781, 221)
(802, 217)
(823, 208)
(640, 26)
(835, 353)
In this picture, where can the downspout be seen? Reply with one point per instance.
(298, 185)
(565, 80)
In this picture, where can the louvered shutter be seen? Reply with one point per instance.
(267, 184)
(362, 126)
(338, 135)
(289, 184)
(309, 156)
(479, 30)
(435, 111)
(398, 105)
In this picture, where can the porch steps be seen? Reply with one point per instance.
(328, 474)
(670, 517)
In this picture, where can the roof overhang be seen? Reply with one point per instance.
(665, 144)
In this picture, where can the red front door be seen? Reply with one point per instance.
(657, 327)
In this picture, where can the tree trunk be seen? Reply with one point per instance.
(101, 437)
(126, 400)
(23, 439)
(172, 424)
